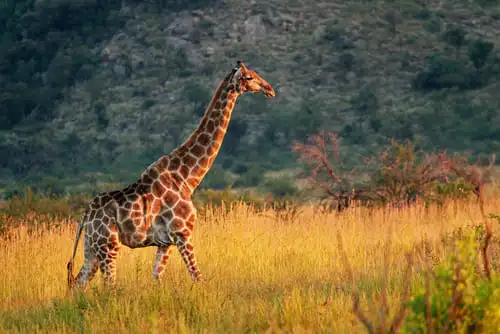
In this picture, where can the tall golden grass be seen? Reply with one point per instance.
(262, 274)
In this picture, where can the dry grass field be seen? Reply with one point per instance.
(262, 274)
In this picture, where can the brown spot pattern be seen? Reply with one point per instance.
(176, 224)
(182, 209)
(174, 164)
(190, 161)
(170, 198)
(210, 128)
(197, 150)
(158, 189)
(204, 139)
(184, 172)
(153, 173)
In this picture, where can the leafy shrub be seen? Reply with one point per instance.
(214, 197)
(457, 189)
(180, 5)
(365, 102)
(487, 2)
(102, 118)
(217, 178)
(44, 47)
(251, 178)
(443, 72)
(458, 299)
(337, 36)
(479, 51)
(423, 14)
(405, 173)
(197, 94)
(281, 187)
(148, 103)
(433, 25)
(455, 36)
(455, 296)
(236, 130)
(27, 202)
(347, 61)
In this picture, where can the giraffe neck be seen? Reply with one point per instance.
(199, 151)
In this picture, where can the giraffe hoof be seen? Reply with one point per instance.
(199, 280)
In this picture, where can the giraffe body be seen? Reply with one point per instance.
(157, 209)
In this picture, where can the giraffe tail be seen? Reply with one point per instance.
(70, 265)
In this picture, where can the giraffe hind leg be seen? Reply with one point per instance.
(186, 250)
(88, 270)
(107, 263)
(162, 255)
(105, 244)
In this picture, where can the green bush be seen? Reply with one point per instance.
(251, 178)
(479, 51)
(443, 72)
(148, 103)
(458, 299)
(488, 2)
(457, 189)
(455, 36)
(404, 173)
(423, 14)
(179, 5)
(338, 38)
(281, 187)
(44, 48)
(102, 117)
(347, 61)
(213, 197)
(197, 94)
(217, 178)
(433, 25)
(44, 203)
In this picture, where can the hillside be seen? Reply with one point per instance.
(88, 88)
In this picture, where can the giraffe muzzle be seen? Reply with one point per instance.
(268, 91)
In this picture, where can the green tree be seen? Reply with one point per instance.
(479, 51)
(455, 36)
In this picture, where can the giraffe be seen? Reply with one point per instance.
(157, 209)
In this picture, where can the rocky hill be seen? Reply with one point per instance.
(93, 88)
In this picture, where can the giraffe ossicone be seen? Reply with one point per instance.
(157, 209)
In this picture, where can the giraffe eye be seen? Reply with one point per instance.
(248, 78)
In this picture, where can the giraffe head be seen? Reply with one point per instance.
(246, 80)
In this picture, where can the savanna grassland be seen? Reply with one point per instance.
(263, 273)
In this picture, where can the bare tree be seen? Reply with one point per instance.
(399, 175)
(325, 169)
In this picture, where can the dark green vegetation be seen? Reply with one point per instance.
(457, 295)
(94, 92)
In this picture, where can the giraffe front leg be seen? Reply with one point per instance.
(162, 255)
(185, 247)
